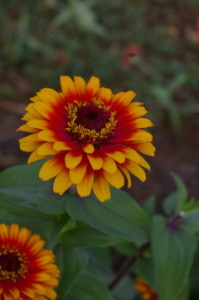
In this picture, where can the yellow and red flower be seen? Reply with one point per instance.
(147, 292)
(27, 271)
(94, 137)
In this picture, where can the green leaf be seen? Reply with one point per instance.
(124, 290)
(20, 185)
(71, 263)
(181, 188)
(85, 17)
(170, 204)
(12, 212)
(178, 81)
(150, 205)
(175, 202)
(173, 251)
(121, 216)
(84, 235)
(175, 119)
(191, 220)
(126, 248)
(144, 268)
(89, 287)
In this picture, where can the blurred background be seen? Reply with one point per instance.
(149, 46)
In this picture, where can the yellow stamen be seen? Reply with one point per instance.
(83, 133)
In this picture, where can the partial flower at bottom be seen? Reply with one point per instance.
(92, 137)
(147, 292)
(27, 271)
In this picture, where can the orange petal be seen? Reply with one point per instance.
(67, 85)
(50, 169)
(80, 85)
(93, 85)
(116, 179)
(84, 187)
(96, 162)
(72, 159)
(146, 148)
(62, 182)
(77, 174)
(136, 170)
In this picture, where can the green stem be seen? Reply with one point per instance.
(128, 264)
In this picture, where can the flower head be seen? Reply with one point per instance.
(92, 137)
(147, 293)
(27, 271)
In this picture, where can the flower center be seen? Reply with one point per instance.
(92, 117)
(90, 122)
(12, 265)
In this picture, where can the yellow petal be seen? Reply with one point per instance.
(143, 123)
(84, 187)
(60, 146)
(117, 96)
(132, 154)
(35, 99)
(29, 293)
(127, 97)
(109, 165)
(143, 163)
(116, 179)
(36, 247)
(96, 162)
(117, 156)
(50, 293)
(14, 230)
(67, 85)
(88, 148)
(98, 192)
(27, 117)
(62, 183)
(93, 85)
(26, 128)
(105, 93)
(33, 111)
(104, 188)
(135, 104)
(77, 174)
(72, 159)
(43, 108)
(3, 231)
(141, 135)
(40, 289)
(7, 297)
(34, 157)
(24, 234)
(136, 170)
(50, 169)
(14, 292)
(46, 135)
(146, 148)
(46, 149)
(43, 277)
(80, 84)
(138, 111)
(29, 143)
(128, 177)
(39, 124)
(48, 95)
(30, 138)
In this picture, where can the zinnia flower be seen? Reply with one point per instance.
(91, 136)
(147, 293)
(27, 271)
